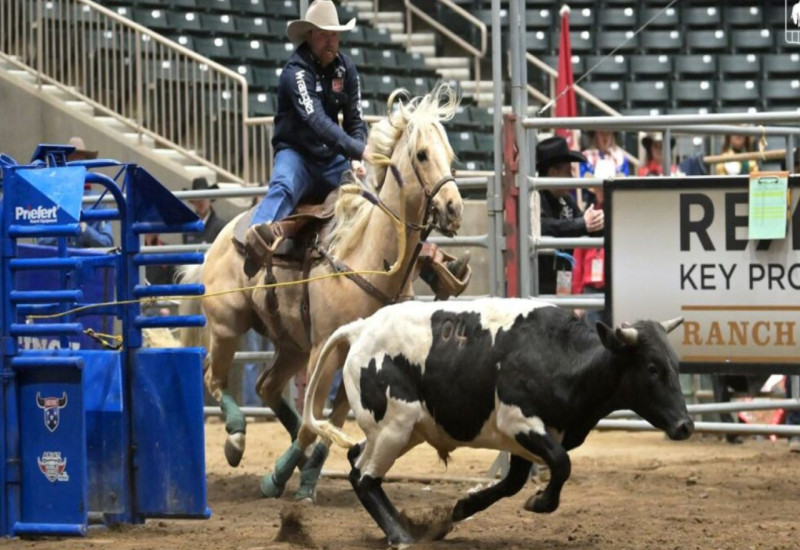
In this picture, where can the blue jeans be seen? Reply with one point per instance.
(295, 178)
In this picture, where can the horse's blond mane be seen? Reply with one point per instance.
(411, 119)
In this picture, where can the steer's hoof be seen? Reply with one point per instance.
(541, 503)
(234, 448)
(269, 488)
(306, 493)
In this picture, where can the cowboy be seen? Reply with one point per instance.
(560, 214)
(311, 150)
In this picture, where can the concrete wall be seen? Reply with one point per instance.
(29, 116)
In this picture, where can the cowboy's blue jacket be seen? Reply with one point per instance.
(310, 99)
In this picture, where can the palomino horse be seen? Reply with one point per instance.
(364, 238)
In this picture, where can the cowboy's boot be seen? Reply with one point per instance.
(447, 276)
(262, 240)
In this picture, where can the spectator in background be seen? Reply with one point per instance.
(96, 234)
(605, 154)
(733, 144)
(588, 272)
(213, 224)
(560, 214)
(653, 144)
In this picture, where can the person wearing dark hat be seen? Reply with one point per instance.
(560, 214)
(311, 150)
(653, 143)
(213, 224)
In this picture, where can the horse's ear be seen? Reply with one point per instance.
(392, 98)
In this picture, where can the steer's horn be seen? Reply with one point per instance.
(627, 335)
(62, 401)
(672, 324)
(39, 400)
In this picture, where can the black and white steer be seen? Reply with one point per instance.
(510, 374)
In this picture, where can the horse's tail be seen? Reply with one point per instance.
(191, 336)
(323, 428)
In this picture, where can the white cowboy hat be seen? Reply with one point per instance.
(321, 14)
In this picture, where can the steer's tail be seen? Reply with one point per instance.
(323, 428)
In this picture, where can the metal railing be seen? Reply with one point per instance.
(134, 75)
(477, 53)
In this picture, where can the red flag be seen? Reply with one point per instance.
(566, 105)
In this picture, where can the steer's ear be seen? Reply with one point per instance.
(614, 339)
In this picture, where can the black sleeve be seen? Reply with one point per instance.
(353, 122)
(300, 85)
(552, 226)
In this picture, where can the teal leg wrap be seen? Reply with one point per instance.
(272, 485)
(234, 419)
(309, 475)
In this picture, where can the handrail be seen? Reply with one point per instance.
(477, 53)
(137, 77)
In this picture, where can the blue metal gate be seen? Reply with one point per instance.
(111, 435)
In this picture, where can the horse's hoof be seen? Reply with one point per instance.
(234, 448)
(269, 488)
(306, 494)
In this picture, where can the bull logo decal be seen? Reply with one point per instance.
(51, 406)
(53, 466)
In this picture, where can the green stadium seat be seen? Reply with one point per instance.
(620, 41)
(261, 104)
(582, 41)
(260, 27)
(540, 19)
(736, 93)
(249, 7)
(218, 48)
(609, 92)
(154, 19)
(606, 68)
(781, 65)
(661, 19)
(656, 42)
(617, 18)
(784, 93)
(702, 17)
(248, 50)
(218, 24)
(739, 66)
(707, 41)
(537, 42)
(744, 16)
(267, 78)
(695, 66)
(278, 54)
(650, 67)
(647, 94)
(753, 40)
(184, 22)
(693, 92)
(222, 6)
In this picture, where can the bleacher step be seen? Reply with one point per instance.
(417, 39)
(448, 62)
(173, 155)
(133, 137)
(382, 17)
(198, 170)
(110, 122)
(79, 105)
(424, 51)
(359, 5)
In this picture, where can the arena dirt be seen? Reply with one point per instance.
(627, 491)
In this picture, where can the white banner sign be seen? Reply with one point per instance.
(680, 248)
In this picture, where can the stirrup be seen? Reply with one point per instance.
(262, 240)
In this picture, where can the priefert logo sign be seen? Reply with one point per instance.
(40, 214)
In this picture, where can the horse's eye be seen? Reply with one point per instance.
(422, 156)
(453, 172)
(652, 370)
